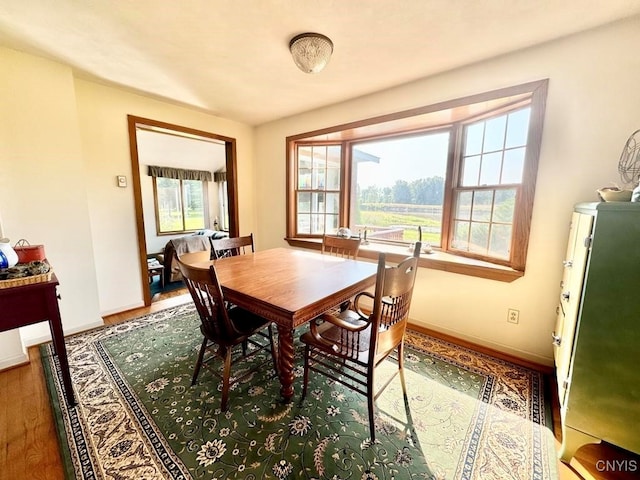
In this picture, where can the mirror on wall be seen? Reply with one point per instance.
(190, 187)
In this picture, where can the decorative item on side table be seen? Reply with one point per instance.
(8, 256)
(22, 265)
(629, 170)
(629, 164)
(27, 252)
(25, 274)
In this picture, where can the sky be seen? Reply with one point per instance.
(409, 158)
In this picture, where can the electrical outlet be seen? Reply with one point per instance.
(513, 315)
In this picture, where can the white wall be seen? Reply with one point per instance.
(592, 107)
(43, 193)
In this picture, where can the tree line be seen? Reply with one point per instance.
(424, 191)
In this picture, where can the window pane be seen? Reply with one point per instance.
(333, 178)
(304, 224)
(460, 235)
(332, 224)
(319, 157)
(400, 186)
(319, 170)
(518, 128)
(304, 158)
(500, 244)
(504, 207)
(304, 202)
(482, 202)
(169, 205)
(479, 237)
(513, 166)
(490, 172)
(317, 203)
(333, 156)
(194, 211)
(333, 203)
(489, 232)
(494, 134)
(317, 224)
(319, 178)
(470, 171)
(463, 205)
(180, 205)
(304, 178)
(474, 134)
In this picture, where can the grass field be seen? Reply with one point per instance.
(410, 222)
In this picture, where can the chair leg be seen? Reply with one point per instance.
(371, 404)
(225, 378)
(307, 353)
(196, 371)
(401, 369)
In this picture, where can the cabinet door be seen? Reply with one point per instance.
(570, 295)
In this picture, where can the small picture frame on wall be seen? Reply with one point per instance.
(122, 181)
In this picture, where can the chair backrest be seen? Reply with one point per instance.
(393, 293)
(341, 247)
(208, 298)
(195, 257)
(228, 247)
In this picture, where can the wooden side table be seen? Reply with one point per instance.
(156, 269)
(34, 303)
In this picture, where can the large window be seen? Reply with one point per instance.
(490, 172)
(460, 176)
(181, 205)
(318, 189)
(399, 187)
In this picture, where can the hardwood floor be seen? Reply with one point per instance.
(29, 445)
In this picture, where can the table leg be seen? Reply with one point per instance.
(285, 361)
(57, 334)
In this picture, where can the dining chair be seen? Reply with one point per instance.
(225, 327)
(340, 247)
(349, 350)
(232, 246)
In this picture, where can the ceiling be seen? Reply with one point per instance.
(230, 57)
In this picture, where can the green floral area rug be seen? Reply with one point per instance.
(470, 416)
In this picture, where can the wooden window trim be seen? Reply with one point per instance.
(438, 260)
(458, 112)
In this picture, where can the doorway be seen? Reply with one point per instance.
(139, 124)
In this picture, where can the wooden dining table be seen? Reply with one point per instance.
(290, 287)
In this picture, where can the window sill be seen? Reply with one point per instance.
(436, 260)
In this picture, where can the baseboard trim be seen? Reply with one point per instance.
(34, 341)
(124, 308)
(539, 364)
(15, 361)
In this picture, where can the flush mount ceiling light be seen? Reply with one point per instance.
(311, 51)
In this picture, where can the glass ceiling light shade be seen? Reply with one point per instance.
(311, 51)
